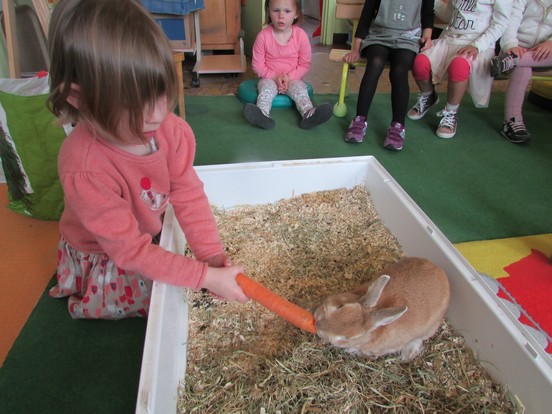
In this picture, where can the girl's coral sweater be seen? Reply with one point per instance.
(271, 59)
(115, 201)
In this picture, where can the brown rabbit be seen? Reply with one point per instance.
(396, 313)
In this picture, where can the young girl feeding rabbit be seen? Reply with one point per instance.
(112, 75)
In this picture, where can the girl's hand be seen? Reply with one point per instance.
(425, 39)
(469, 52)
(426, 43)
(220, 260)
(518, 51)
(351, 57)
(542, 51)
(282, 83)
(221, 282)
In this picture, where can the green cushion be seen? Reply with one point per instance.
(29, 144)
(247, 92)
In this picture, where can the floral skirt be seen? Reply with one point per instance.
(97, 288)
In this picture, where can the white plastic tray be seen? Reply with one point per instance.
(499, 341)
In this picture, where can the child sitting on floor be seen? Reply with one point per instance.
(462, 53)
(281, 57)
(113, 75)
(526, 44)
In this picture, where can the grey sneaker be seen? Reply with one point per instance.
(316, 116)
(501, 64)
(423, 104)
(514, 131)
(395, 137)
(357, 130)
(447, 125)
(256, 116)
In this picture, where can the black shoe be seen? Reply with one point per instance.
(514, 131)
(501, 64)
(256, 117)
(423, 104)
(316, 116)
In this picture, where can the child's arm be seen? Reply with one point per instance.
(509, 39)
(502, 10)
(427, 19)
(367, 15)
(259, 62)
(191, 206)
(443, 10)
(304, 58)
(218, 260)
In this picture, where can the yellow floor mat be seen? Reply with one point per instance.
(492, 256)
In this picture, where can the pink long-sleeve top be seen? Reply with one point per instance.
(115, 200)
(271, 59)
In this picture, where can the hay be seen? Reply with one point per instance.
(244, 359)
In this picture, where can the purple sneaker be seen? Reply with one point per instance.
(395, 137)
(357, 130)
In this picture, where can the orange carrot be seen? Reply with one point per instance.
(294, 314)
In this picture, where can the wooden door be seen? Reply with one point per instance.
(219, 25)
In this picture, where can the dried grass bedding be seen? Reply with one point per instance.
(244, 359)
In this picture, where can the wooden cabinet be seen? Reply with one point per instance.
(219, 30)
(220, 25)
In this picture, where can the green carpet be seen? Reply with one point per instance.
(476, 186)
(59, 365)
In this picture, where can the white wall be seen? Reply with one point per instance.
(311, 8)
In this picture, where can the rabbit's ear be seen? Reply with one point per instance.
(388, 315)
(374, 291)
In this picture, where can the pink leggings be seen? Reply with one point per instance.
(517, 85)
(458, 70)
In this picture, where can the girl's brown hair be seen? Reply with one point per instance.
(117, 55)
(298, 9)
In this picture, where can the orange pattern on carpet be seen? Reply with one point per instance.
(28, 262)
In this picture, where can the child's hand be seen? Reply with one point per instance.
(220, 260)
(426, 43)
(518, 51)
(542, 51)
(425, 39)
(282, 84)
(469, 52)
(221, 281)
(351, 57)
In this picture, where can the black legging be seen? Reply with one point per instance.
(400, 63)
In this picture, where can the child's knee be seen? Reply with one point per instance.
(421, 68)
(298, 92)
(459, 69)
(267, 86)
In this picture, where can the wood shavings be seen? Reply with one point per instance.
(243, 358)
